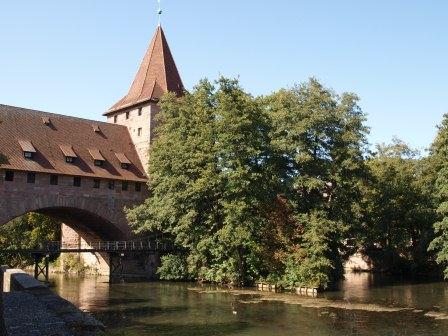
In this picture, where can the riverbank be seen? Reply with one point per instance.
(31, 308)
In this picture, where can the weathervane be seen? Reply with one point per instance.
(159, 11)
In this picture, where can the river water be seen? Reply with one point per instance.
(365, 305)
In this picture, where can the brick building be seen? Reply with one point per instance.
(84, 172)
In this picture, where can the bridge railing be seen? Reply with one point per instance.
(97, 245)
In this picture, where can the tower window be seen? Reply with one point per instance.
(140, 111)
(111, 185)
(54, 179)
(115, 119)
(124, 185)
(127, 115)
(76, 181)
(9, 175)
(139, 132)
(96, 183)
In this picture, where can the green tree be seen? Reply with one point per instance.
(27, 232)
(211, 176)
(439, 163)
(322, 139)
(398, 210)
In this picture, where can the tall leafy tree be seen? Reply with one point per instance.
(322, 139)
(439, 162)
(398, 210)
(210, 179)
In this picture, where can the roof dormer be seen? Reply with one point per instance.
(28, 149)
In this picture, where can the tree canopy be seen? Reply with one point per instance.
(225, 164)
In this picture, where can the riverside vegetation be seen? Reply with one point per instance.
(283, 188)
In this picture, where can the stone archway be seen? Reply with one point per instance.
(107, 222)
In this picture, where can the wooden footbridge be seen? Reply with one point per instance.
(115, 249)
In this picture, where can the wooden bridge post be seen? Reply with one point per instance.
(38, 269)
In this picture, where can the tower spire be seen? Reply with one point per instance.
(156, 76)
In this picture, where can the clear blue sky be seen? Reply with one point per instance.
(79, 57)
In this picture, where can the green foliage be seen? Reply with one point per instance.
(210, 176)
(27, 231)
(219, 164)
(439, 162)
(321, 137)
(173, 267)
(72, 263)
(398, 210)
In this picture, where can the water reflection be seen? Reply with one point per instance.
(174, 309)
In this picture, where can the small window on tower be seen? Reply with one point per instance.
(127, 115)
(139, 132)
(140, 111)
(115, 119)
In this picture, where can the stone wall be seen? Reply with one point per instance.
(31, 308)
(100, 210)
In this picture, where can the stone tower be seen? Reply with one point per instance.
(156, 76)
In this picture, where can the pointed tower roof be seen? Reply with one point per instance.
(156, 76)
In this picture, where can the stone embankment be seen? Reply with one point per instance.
(32, 309)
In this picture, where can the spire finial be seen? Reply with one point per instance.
(159, 11)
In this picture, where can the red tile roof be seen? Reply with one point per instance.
(156, 76)
(20, 127)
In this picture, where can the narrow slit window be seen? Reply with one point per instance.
(139, 131)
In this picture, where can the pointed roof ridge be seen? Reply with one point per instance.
(156, 75)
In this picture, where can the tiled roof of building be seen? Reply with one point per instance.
(156, 76)
(21, 128)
